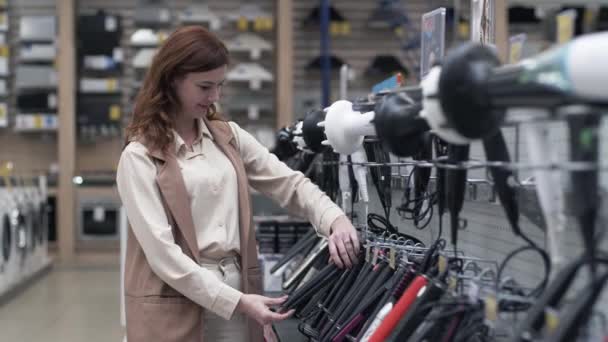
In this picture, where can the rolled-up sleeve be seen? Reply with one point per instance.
(289, 188)
(140, 196)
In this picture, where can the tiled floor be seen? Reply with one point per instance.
(74, 304)
(77, 304)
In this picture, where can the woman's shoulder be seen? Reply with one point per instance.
(236, 131)
(135, 147)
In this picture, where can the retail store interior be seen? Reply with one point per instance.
(464, 139)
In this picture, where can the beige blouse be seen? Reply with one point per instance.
(211, 183)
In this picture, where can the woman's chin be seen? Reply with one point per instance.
(199, 113)
(202, 111)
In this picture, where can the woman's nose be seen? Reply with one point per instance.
(214, 96)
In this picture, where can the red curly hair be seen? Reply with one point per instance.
(188, 49)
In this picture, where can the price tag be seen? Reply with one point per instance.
(112, 84)
(442, 264)
(5, 171)
(392, 258)
(491, 309)
(269, 24)
(114, 113)
(345, 28)
(464, 30)
(552, 320)
(565, 26)
(4, 51)
(334, 28)
(399, 31)
(375, 258)
(452, 283)
(516, 46)
(38, 121)
(50, 121)
(242, 24)
(258, 24)
(3, 117)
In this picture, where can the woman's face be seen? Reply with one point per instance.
(197, 91)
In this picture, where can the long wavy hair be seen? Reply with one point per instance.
(188, 49)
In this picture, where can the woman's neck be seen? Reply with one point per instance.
(186, 128)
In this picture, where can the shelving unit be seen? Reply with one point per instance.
(293, 90)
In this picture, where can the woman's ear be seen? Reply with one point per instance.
(176, 80)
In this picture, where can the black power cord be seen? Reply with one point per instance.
(414, 208)
(381, 176)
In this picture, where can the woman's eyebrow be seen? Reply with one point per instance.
(211, 82)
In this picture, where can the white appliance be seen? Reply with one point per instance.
(253, 73)
(248, 42)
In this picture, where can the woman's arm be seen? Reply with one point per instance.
(292, 190)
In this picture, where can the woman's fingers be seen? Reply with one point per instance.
(275, 301)
(344, 253)
(355, 239)
(343, 243)
(282, 316)
(350, 249)
(333, 251)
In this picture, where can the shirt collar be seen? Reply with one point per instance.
(203, 130)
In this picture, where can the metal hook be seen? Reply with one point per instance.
(468, 264)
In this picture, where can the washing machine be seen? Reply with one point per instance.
(42, 219)
(6, 243)
(9, 232)
(30, 206)
(36, 198)
(22, 217)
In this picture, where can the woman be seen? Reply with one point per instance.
(191, 270)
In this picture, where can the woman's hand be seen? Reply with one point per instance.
(258, 308)
(343, 243)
